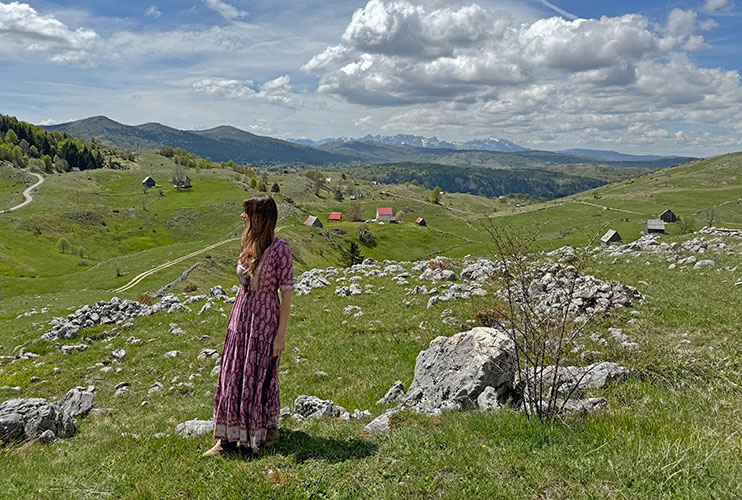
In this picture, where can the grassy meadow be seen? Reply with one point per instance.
(672, 432)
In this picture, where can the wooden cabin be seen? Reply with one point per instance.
(611, 238)
(313, 221)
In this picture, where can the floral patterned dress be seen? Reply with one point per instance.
(246, 403)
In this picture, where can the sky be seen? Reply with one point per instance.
(645, 77)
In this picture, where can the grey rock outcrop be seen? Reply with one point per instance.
(453, 371)
(28, 418)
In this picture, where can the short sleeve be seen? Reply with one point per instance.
(285, 267)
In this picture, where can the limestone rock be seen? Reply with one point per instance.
(394, 394)
(78, 401)
(195, 428)
(454, 371)
(314, 407)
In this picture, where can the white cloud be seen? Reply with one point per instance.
(276, 91)
(224, 9)
(153, 11)
(24, 30)
(717, 5)
(365, 122)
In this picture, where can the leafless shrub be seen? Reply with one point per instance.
(542, 336)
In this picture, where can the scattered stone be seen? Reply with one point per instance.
(704, 263)
(208, 353)
(67, 349)
(381, 423)
(487, 400)
(393, 395)
(314, 407)
(118, 353)
(47, 437)
(172, 354)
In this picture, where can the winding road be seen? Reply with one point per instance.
(139, 277)
(26, 194)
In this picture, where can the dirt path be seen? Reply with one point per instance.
(139, 277)
(26, 194)
(609, 208)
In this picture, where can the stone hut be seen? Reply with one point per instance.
(654, 226)
(611, 238)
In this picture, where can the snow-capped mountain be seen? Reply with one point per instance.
(490, 144)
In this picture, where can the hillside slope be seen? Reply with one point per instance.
(219, 144)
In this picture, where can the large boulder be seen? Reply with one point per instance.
(78, 401)
(28, 418)
(453, 371)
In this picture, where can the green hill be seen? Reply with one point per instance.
(219, 144)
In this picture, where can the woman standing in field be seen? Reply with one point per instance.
(246, 404)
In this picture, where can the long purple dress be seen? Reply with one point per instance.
(246, 403)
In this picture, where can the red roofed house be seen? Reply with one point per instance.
(384, 214)
(335, 217)
(420, 222)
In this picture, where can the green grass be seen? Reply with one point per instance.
(671, 433)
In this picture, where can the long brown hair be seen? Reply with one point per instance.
(262, 215)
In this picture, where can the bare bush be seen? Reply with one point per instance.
(542, 335)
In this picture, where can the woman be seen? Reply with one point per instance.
(246, 404)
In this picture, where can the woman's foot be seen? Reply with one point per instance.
(221, 446)
(272, 436)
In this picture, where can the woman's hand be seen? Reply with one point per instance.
(279, 344)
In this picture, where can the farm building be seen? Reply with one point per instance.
(611, 238)
(335, 217)
(384, 214)
(654, 226)
(668, 216)
(313, 221)
(420, 222)
(148, 182)
(184, 183)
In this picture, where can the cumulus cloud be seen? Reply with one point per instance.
(24, 30)
(153, 11)
(549, 80)
(276, 91)
(399, 52)
(224, 9)
(717, 5)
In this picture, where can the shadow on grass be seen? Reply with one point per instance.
(302, 447)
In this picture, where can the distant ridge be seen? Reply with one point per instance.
(220, 144)
(491, 144)
(601, 154)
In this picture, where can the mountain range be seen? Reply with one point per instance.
(226, 143)
(491, 144)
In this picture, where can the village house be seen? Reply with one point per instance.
(384, 214)
(654, 226)
(184, 183)
(420, 222)
(313, 221)
(148, 182)
(668, 216)
(335, 217)
(611, 238)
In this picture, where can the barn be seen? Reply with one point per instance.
(384, 214)
(335, 217)
(654, 226)
(313, 221)
(668, 216)
(611, 238)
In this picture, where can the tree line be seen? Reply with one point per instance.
(24, 144)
